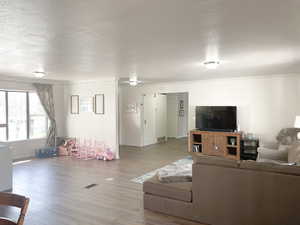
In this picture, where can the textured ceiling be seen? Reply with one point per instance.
(157, 39)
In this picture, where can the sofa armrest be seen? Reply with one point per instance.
(269, 145)
(273, 154)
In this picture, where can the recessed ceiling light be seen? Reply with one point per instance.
(211, 64)
(133, 80)
(39, 74)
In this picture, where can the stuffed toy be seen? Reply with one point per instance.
(107, 154)
(63, 149)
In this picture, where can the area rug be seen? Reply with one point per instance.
(143, 178)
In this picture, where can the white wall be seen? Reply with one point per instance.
(265, 103)
(87, 124)
(26, 148)
(130, 120)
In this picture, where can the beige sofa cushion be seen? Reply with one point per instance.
(215, 160)
(271, 167)
(179, 191)
(175, 173)
(294, 152)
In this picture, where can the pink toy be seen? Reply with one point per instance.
(107, 154)
(86, 149)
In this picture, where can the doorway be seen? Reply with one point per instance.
(164, 116)
(177, 115)
(148, 120)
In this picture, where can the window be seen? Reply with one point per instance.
(3, 124)
(2, 108)
(21, 116)
(17, 116)
(2, 134)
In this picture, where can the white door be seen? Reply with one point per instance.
(161, 116)
(148, 120)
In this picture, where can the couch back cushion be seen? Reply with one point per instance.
(271, 167)
(215, 160)
(227, 196)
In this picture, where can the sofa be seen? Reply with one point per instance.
(229, 192)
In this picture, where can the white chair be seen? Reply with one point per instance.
(279, 151)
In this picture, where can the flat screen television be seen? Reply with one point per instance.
(216, 118)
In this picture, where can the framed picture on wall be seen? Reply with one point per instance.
(99, 104)
(74, 104)
(181, 105)
(181, 113)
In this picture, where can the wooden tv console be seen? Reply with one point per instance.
(224, 144)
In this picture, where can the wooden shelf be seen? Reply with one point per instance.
(215, 143)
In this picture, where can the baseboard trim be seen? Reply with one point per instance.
(181, 137)
(131, 146)
(8, 190)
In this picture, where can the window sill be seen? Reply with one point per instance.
(24, 140)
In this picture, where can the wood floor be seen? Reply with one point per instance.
(58, 195)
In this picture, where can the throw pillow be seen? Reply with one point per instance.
(294, 152)
(175, 173)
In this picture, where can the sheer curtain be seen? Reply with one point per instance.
(45, 93)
